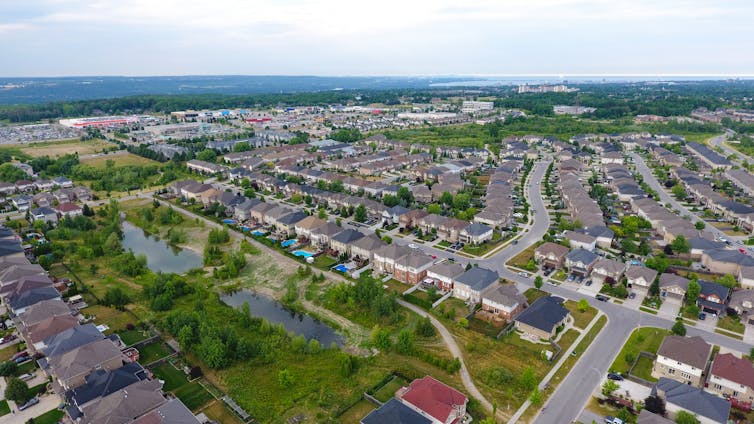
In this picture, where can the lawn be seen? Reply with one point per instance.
(115, 319)
(533, 294)
(324, 262)
(131, 337)
(7, 352)
(484, 327)
(172, 377)
(396, 286)
(60, 148)
(386, 392)
(646, 339)
(27, 367)
(49, 417)
(481, 249)
(580, 319)
(193, 395)
(358, 411)
(643, 369)
(4, 408)
(217, 411)
(523, 258)
(152, 352)
(559, 275)
(731, 324)
(452, 307)
(125, 159)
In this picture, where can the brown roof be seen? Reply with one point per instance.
(734, 369)
(558, 250)
(646, 417)
(504, 294)
(668, 280)
(310, 222)
(446, 269)
(50, 327)
(638, 271)
(693, 351)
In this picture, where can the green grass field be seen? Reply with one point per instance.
(646, 339)
(172, 377)
(580, 319)
(152, 352)
(4, 408)
(132, 336)
(49, 417)
(124, 159)
(193, 395)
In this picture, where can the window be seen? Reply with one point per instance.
(718, 387)
(686, 376)
(671, 371)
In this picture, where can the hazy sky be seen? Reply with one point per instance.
(383, 37)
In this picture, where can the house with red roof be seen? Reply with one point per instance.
(731, 376)
(69, 209)
(432, 399)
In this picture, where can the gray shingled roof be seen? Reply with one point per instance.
(693, 399)
(544, 313)
(394, 412)
(478, 278)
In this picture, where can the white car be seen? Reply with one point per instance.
(413, 246)
(523, 274)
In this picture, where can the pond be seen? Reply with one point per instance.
(161, 257)
(273, 311)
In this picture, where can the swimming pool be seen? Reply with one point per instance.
(341, 268)
(288, 243)
(258, 233)
(245, 229)
(303, 253)
(229, 221)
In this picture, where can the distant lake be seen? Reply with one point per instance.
(161, 257)
(273, 311)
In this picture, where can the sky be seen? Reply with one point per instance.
(385, 37)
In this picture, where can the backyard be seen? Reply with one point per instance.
(152, 352)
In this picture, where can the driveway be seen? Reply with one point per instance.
(635, 302)
(629, 389)
(669, 308)
(46, 403)
(749, 334)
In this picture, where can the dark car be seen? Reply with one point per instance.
(615, 376)
(601, 298)
(588, 283)
(702, 316)
(20, 355)
(515, 241)
(632, 295)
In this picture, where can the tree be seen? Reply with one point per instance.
(700, 225)
(360, 215)
(434, 208)
(381, 338)
(684, 417)
(609, 387)
(424, 327)
(680, 245)
(536, 397)
(678, 328)
(285, 378)
(461, 201)
(679, 192)
(446, 198)
(655, 404)
(207, 155)
(116, 297)
(538, 282)
(241, 147)
(17, 391)
(8, 368)
(727, 280)
(321, 213)
(583, 305)
(405, 342)
(692, 292)
(528, 379)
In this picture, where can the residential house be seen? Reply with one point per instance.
(579, 262)
(304, 227)
(363, 249)
(70, 210)
(342, 242)
(37, 333)
(550, 255)
(242, 212)
(70, 339)
(395, 412)
(22, 202)
(470, 285)
(62, 182)
(24, 186)
(713, 297)
(580, 240)
(44, 200)
(646, 417)
(20, 302)
(44, 310)
(442, 274)
(82, 194)
(412, 218)
(640, 277)
(708, 408)
(258, 212)
(542, 318)
(503, 301)
(731, 377)
(450, 229)
(602, 234)
(724, 261)
(476, 233)
(171, 412)
(321, 236)
(272, 215)
(746, 276)
(7, 188)
(673, 287)
(386, 257)
(45, 214)
(286, 224)
(607, 271)
(393, 215)
(434, 400)
(742, 301)
(126, 405)
(683, 359)
(412, 267)
(70, 368)
(102, 383)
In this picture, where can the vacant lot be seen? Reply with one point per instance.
(646, 339)
(124, 159)
(60, 148)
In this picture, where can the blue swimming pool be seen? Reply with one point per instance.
(258, 233)
(341, 268)
(245, 229)
(303, 253)
(288, 243)
(229, 221)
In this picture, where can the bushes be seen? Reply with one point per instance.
(422, 303)
(164, 290)
(217, 236)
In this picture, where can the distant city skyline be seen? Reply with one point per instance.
(392, 38)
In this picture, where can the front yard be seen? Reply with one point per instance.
(645, 339)
(730, 323)
(580, 319)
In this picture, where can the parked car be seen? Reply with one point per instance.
(25, 377)
(615, 376)
(413, 246)
(601, 298)
(523, 274)
(19, 355)
(632, 295)
(571, 278)
(702, 316)
(612, 420)
(588, 283)
(33, 401)
(515, 241)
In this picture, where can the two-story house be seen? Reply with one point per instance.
(551, 255)
(579, 262)
(731, 376)
(683, 359)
